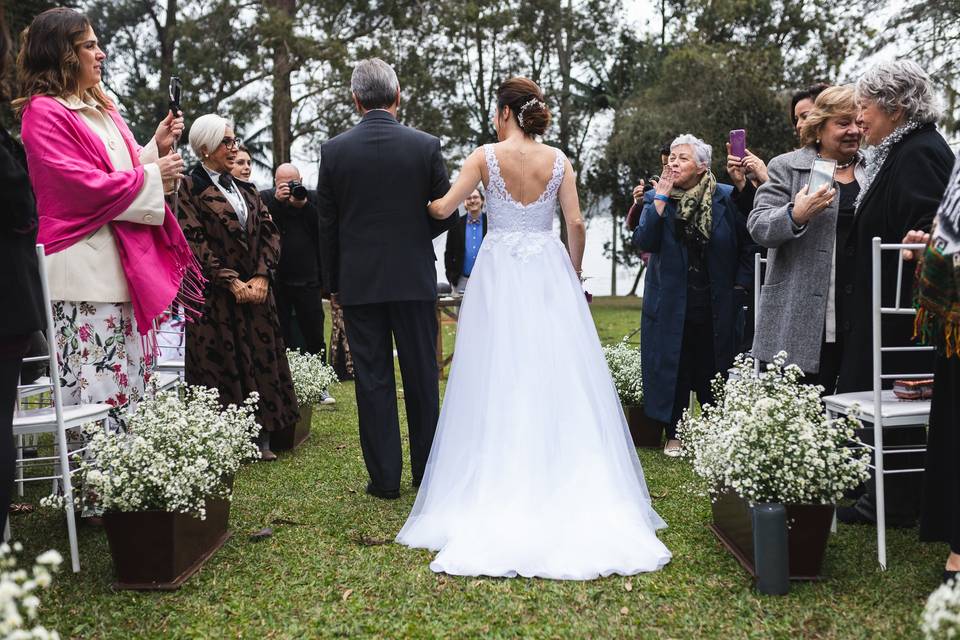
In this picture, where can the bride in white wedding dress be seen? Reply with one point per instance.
(532, 470)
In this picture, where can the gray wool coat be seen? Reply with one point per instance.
(793, 299)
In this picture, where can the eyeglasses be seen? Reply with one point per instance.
(233, 143)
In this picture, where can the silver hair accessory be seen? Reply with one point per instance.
(527, 105)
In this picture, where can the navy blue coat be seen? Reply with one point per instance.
(729, 258)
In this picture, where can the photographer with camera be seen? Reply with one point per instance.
(293, 208)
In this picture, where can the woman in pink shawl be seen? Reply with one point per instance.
(116, 255)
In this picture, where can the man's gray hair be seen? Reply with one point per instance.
(702, 152)
(900, 84)
(374, 83)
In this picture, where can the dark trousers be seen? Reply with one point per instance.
(902, 491)
(9, 377)
(307, 302)
(829, 368)
(940, 513)
(412, 326)
(697, 365)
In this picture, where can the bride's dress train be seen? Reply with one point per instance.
(532, 470)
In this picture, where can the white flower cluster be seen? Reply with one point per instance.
(623, 360)
(941, 615)
(311, 376)
(769, 440)
(18, 602)
(177, 451)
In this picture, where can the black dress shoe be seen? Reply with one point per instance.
(949, 576)
(852, 515)
(385, 494)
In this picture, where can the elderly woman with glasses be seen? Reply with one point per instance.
(700, 253)
(236, 346)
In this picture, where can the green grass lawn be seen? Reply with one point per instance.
(334, 574)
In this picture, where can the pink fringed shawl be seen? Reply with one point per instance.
(78, 191)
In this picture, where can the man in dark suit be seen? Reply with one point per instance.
(376, 249)
(463, 242)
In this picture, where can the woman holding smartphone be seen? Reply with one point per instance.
(802, 230)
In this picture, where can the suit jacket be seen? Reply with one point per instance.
(904, 195)
(19, 271)
(729, 259)
(793, 299)
(376, 237)
(454, 253)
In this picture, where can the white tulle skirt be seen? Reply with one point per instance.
(532, 471)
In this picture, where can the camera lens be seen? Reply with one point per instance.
(298, 191)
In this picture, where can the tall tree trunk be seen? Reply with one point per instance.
(564, 67)
(283, 65)
(167, 35)
(613, 256)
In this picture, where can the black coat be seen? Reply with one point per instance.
(299, 239)
(454, 253)
(376, 237)
(19, 276)
(729, 260)
(904, 195)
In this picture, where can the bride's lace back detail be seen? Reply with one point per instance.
(506, 215)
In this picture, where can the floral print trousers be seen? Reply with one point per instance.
(101, 355)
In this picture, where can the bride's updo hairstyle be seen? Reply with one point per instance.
(527, 104)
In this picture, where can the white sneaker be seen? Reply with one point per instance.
(326, 398)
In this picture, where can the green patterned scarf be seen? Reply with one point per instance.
(937, 294)
(696, 208)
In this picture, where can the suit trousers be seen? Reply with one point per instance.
(9, 378)
(372, 330)
(307, 302)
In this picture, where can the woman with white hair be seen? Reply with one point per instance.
(700, 252)
(236, 346)
(904, 183)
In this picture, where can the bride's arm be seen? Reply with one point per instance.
(467, 181)
(576, 229)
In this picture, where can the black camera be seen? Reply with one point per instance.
(297, 190)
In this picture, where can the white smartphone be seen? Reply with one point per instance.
(821, 173)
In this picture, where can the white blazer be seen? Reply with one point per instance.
(90, 270)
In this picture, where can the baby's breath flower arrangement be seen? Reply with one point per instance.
(177, 452)
(623, 360)
(18, 600)
(941, 615)
(768, 439)
(311, 376)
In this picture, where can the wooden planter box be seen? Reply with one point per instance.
(646, 432)
(292, 437)
(159, 550)
(808, 527)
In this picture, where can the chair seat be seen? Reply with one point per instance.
(166, 380)
(42, 386)
(45, 419)
(170, 365)
(893, 410)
